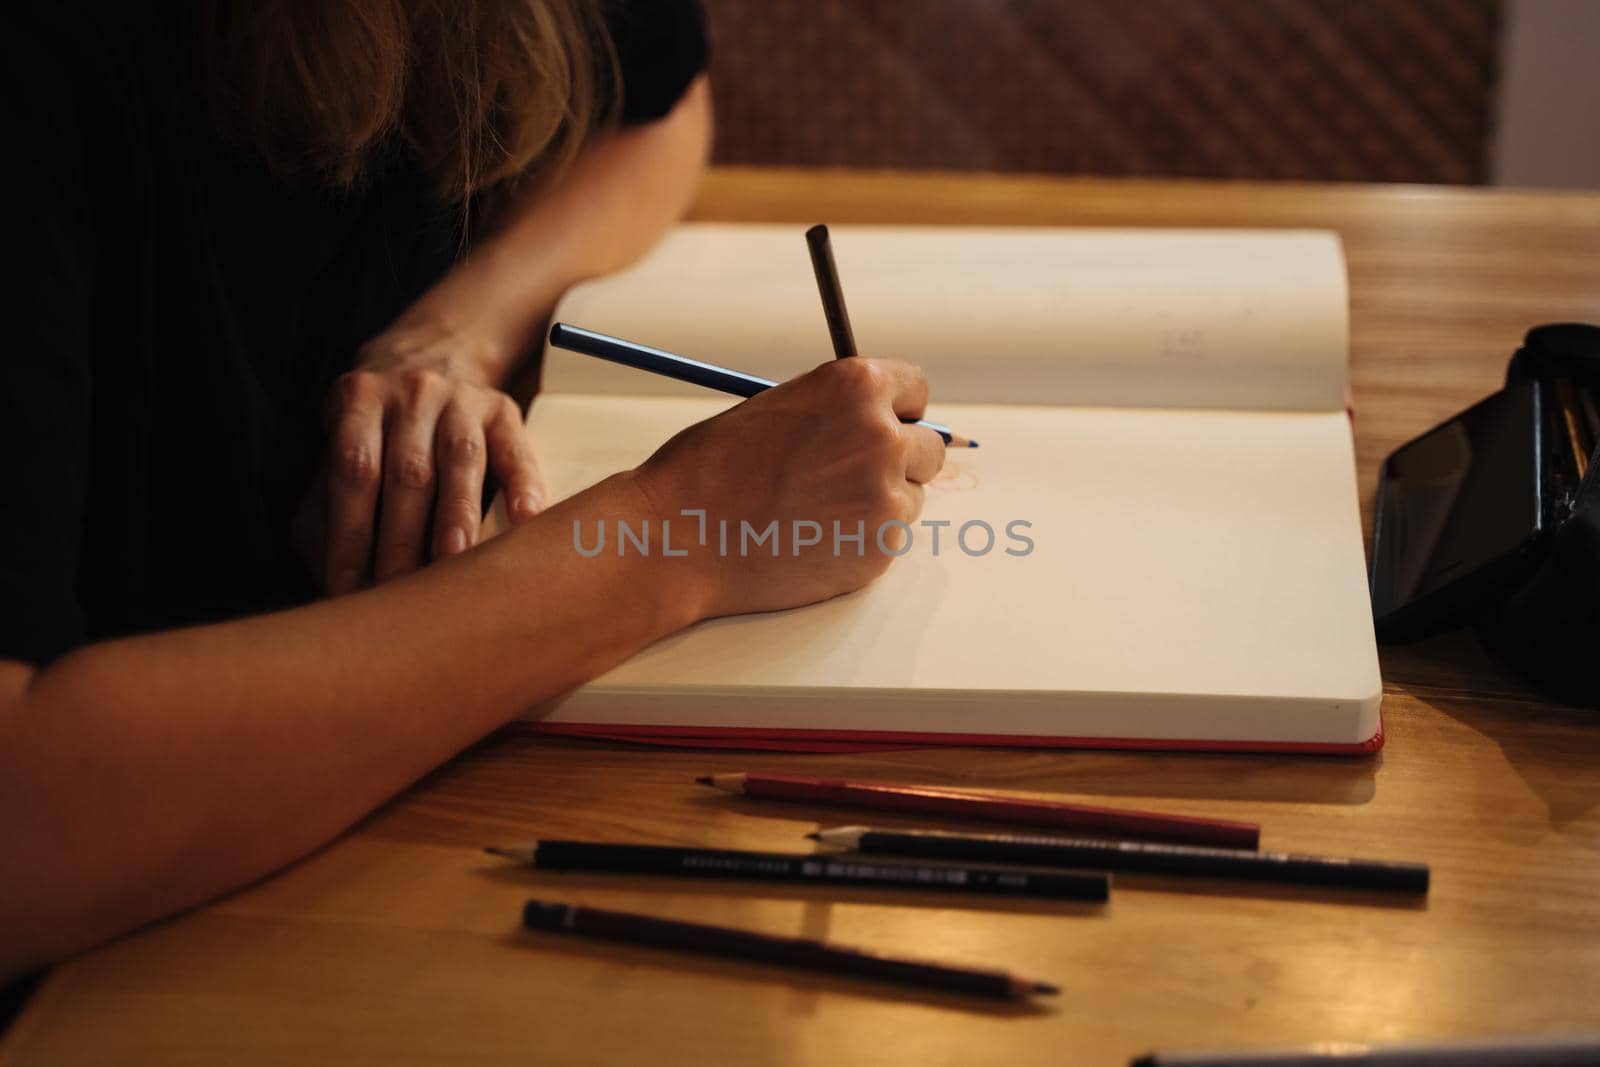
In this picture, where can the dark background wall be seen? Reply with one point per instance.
(1363, 90)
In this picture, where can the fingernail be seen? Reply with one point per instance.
(345, 581)
(454, 542)
(525, 506)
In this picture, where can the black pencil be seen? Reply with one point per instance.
(1142, 856)
(683, 369)
(1531, 1050)
(809, 867)
(797, 952)
(822, 265)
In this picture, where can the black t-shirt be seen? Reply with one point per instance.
(173, 317)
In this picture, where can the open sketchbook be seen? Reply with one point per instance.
(1164, 410)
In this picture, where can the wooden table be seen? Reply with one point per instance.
(399, 943)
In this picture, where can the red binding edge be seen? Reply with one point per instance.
(879, 740)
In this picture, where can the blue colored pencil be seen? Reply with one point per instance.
(683, 369)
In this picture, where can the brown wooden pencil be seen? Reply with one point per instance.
(833, 309)
(989, 807)
(840, 334)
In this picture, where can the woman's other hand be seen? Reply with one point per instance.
(825, 448)
(418, 422)
(413, 431)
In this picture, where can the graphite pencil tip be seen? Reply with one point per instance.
(520, 853)
(705, 779)
(1046, 988)
(815, 837)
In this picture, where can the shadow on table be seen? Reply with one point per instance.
(1451, 660)
(1555, 749)
(801, 981)
(1090, 776)
(1073, 773)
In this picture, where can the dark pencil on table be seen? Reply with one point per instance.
(1534, 1050)
(833, 309)
(1141, 856)
(799, 952)
(809, 868)
(989, 807)
(683, 369)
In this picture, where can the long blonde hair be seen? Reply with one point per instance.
(478, 91)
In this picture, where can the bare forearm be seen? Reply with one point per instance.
(148, 774)
(624, 190)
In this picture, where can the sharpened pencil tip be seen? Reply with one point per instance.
(705, 779)
(518, 853)
(1046, 988)
(972, 444)
(815, 837)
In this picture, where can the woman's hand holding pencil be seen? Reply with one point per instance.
(824, 471)
(823, 449)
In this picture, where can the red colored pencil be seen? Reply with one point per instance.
(990, 807)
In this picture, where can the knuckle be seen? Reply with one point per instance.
(419, 384)
(349, 546)
(402, 549)
(460, 447)
(526, 502)
(512, 454)
(880, 440)
(357, 388)
(884, 503)
(355, 467)
(398, 549)
(459, 507)
(411, 469)
(910, 504)
(856, 377)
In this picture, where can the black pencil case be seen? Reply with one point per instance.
(1535, 608)
(1547, 626)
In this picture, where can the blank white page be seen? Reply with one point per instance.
(1242, 319)
(1196, 575)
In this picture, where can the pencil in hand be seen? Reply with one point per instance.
(833, 309)
(797, 952)
(822, 265)
(681, 368)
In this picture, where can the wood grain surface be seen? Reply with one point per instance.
(399, 942)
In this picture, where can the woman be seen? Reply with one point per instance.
(240, 312)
